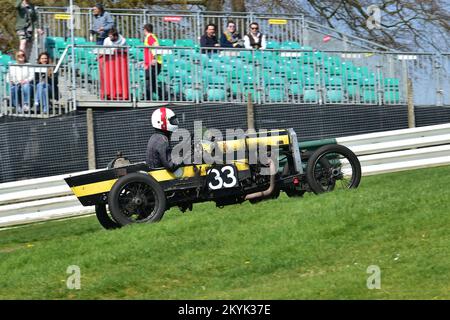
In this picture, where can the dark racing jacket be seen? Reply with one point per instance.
(159, 152)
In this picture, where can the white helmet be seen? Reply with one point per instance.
(164, 119)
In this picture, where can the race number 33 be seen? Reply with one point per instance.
(221, 178)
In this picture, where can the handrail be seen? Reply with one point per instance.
(61, 59)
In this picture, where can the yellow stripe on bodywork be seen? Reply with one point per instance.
(240, 144)
(159, 175)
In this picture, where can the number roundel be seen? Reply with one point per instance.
(221, 178)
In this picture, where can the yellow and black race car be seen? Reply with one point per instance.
(260, 166)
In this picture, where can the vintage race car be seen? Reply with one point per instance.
(261, 166)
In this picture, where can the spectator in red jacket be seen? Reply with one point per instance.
(152, 62)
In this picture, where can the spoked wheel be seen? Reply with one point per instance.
(104, 218)
(333, 166)
(137, 198)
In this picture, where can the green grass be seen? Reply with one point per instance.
(315, 247)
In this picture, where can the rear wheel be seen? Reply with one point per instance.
(333, 166)
(104, 218)
(136, 198)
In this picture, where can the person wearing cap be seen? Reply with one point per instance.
(102, 22)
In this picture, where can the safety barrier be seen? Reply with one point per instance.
(49, 198)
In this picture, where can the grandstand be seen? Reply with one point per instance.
(298, 66)
(317, 80)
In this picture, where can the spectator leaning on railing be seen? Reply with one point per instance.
(231, 38)
(209, 39)
(102, 22)
(21, 77)
(255, 39)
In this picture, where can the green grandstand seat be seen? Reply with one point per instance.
(295, 88)
(273, 44)
(245, 55)
(364, 71)
(353, 91)
(306, 48)
(79, 40)
(307, 71)
(236, 88)
(216, 95)
(391, 83)
(333, 82)
(185, 43)
(6, 59)
(274, 81)
(347, 66)
(319, 57)
(352, 78)
(133, 42)
(336, 61)
(275, 94)
(166, 42)
(282, 70)
(334, 96)
(216, 81)
(392, 97)
(290, 45)
(235, 63)
(369, 96)
(306, 60)
(294, 76)
(136, 53)
(310, 82)
(367, 82)
(191, 94)
(310, 95)
(224, 69)
(268, 64)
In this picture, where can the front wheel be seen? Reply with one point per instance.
(342, 169)
(136, 198)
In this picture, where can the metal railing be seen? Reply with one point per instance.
(190, 25)
(32, 90)
(119, 74)
(106, 75)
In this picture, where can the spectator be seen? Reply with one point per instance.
(46, 83)
(20, 77)
(255, 39)
(209, 39)
(102, 23)
(26, 19)
(231, 38)
(114, 39)
(113, 68)
(152, 62)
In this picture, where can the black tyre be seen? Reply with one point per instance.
(292, 191)
(104, 218)
(136, 198)
(333, 166)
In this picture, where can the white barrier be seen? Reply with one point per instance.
(49, 198)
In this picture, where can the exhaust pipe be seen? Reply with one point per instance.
(268, 191)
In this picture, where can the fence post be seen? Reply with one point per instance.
(410, 97)
(91, 139)
(250, 113)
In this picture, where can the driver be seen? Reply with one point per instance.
(158, 153)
